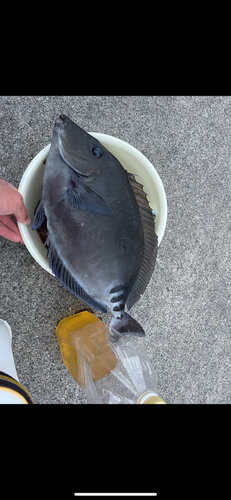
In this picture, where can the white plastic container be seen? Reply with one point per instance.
(110, 367)
(131, 159)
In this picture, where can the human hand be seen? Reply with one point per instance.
(11, 203)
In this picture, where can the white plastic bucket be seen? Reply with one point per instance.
(131, 159)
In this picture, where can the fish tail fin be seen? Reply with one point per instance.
(127, 325)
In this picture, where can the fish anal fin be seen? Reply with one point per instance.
(66, 278)
(150, 244)
(84, 198)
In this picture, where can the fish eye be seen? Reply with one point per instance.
(97, 152)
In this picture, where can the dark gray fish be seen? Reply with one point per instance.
(101, 235)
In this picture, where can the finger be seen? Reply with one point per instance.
(8, 223)
(11, 202)
(12, 225)
(9, 230)
(8, 184)
(21, 214)
(12, 187)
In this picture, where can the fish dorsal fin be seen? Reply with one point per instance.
(150, 243)
(65, 277)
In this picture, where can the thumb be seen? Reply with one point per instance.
(20, 213)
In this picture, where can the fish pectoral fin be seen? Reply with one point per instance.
(83, 198)
(39, 216)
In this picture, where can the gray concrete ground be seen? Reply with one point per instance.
(185, 309)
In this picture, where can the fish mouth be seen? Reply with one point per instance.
(61, 122)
